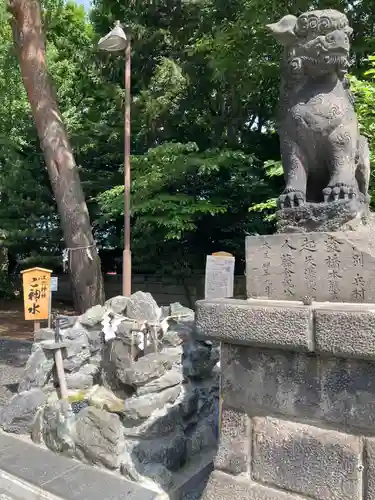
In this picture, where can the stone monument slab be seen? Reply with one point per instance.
(335, 267)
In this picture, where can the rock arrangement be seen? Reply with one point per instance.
(143, 394)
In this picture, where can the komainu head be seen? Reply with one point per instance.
(316, 43)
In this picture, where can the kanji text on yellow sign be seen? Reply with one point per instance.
(36, 293)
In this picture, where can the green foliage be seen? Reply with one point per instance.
(364, 91)
(21, 185)
(6, 286)
(206, 167)
(165, 189)
(273, 168)
(181, 196)
(27, 209)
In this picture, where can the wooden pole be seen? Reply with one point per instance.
(61, 374)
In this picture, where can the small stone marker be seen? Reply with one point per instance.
(334, 267)
(36, 294)
(219, 279)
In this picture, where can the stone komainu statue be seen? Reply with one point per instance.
(324, 156)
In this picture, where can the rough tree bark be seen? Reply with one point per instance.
(85, 272)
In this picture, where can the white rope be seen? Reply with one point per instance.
(67, 251)
(145, 323)
(141, 326)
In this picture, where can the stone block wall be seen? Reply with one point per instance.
(298, 399)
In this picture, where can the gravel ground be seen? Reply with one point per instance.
(13, 357)
(9, 378)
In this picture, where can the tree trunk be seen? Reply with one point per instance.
(84, 263)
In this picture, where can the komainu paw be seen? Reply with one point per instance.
(338, 192)
(291, 199)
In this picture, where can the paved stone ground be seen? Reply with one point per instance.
(188, 496)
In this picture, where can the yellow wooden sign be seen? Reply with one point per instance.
(36, 293)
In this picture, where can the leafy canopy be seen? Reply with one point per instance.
(205, 157)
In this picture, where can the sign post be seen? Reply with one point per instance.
(219, 278)
(36, 294)
(219, 284)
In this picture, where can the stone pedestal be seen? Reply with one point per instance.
(298, 399)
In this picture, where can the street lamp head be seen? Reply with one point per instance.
(115, 41)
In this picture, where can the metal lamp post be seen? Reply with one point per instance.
(117, 41)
